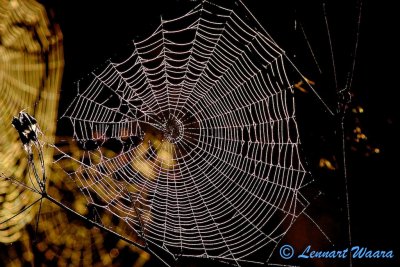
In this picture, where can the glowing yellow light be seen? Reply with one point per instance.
(165, 155)
(106, 259)
(144, 167)
(79, 206)
(41, 246)
(299, 87)
(49, 255)
(300, 84)
(324, 163)
(28, 256)
(143, 258)
(114, 253)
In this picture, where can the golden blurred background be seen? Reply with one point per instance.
(31, 68)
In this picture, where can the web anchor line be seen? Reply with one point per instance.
(328, 109)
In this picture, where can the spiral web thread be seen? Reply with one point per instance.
(201, 118)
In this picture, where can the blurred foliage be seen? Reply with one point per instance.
(67, 241)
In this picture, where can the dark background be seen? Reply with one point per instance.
(95, 31)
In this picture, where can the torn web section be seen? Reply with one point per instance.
(106, 126)
(98, 177)
(99, 113)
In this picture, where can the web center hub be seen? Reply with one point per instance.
(173, 130)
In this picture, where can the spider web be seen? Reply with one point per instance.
(201, 121)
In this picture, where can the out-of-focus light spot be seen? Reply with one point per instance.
(165, 155)
(377, 151)
(114, 253)
(144, 167)
(28, 256)
(66, 254)
(300, 84)
(324, 163)
(357, 109)
(49, 255)
(152, 154)
(14, 4)
(106, 259)
(309, 81)
(41, 246)
(362, 136)
(80, 206)
(143, 258)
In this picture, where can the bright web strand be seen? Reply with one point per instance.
(216, 172)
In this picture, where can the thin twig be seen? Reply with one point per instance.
(38, 218)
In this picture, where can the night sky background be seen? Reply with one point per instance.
(95, 31)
